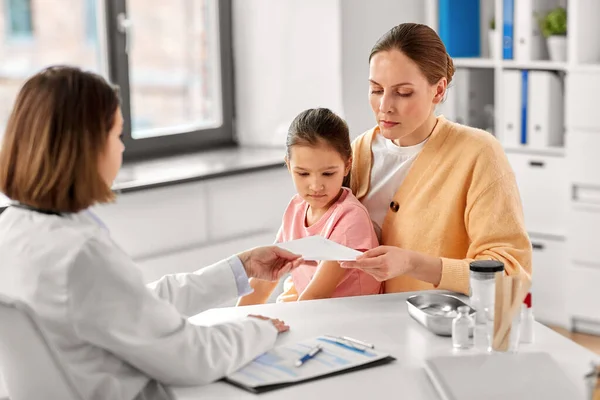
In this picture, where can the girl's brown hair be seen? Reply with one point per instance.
(421, 44)
(55, 135)
(321, 125)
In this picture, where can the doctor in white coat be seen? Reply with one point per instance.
(118, 338)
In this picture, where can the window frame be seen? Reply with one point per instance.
(11, 35)
(91, 19)
(182, 142)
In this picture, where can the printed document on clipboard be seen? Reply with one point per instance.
(277, 368)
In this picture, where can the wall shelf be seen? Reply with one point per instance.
(535, 65)
(494, 92)
(475, 62)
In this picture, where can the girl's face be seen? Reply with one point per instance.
(318, 173)
(111, 159)
(401, 98)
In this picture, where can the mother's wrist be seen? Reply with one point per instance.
(425, 267)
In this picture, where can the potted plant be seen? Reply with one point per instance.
(554, 28)
(492, 37)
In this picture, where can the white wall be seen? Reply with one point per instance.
(363, 22)
(290, 55)
(287, 58)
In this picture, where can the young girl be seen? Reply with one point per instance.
(319, 158)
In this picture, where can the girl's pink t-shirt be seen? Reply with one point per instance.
(347, 222)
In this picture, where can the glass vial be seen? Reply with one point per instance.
(527, 321)
(462, 328)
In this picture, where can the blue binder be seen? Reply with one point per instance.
(524, 97)
(508, 8)
(459, 27)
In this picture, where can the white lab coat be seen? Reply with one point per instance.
(114, 333)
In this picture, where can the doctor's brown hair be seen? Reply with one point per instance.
(55, 135)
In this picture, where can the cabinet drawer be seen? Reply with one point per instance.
(583, 161)
(153, 221)
(584, 234)
(193, 259)
(249, 203)
(581, 102)
(583, 294)
(548, 280)
(542, 182)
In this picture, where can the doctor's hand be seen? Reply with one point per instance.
(277, 323)
(269, 263)
(386, 262)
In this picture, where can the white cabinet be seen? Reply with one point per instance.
(248, 203)
(581, 100)
(199, 257)
(153, 221)
(542, 182)
(184, 227)
(583, 146)
(584, 239)
(549, 270)
(583, 149)
(583, 297)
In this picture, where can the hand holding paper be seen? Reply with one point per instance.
(317, 248)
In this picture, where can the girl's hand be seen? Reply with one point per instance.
(278, 324)
(383, 262)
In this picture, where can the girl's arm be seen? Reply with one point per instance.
(329, 274)
(262, 292)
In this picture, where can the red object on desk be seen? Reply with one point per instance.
(527, 300)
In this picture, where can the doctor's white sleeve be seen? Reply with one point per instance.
(112, 308)
(192, 293)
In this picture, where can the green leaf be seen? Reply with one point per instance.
(554, 23)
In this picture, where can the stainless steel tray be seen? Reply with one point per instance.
(435, 311)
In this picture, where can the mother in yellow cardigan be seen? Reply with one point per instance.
(440, 194)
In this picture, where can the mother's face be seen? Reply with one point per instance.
(401, 97)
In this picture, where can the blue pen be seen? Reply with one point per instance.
(311, 354)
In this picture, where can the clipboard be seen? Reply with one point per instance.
(276, 370)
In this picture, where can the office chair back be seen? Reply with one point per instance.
(30, 366)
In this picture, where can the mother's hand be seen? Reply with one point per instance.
(383, 262)
(386, 262)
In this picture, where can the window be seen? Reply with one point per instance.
(21, 59)
(91, 21)
(18, 19)
(171, 61)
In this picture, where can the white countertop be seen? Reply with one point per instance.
(384, 321)
(209, 164)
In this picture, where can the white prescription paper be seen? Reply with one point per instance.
(318, 248)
